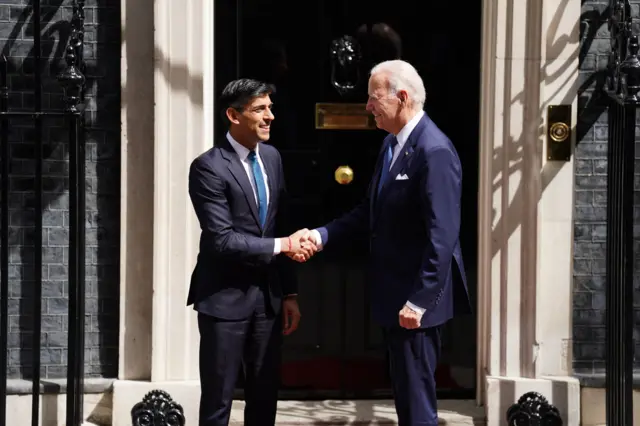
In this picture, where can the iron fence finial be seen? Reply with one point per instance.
(533, 409)
(157, 408)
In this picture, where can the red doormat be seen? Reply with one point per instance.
(359, 374)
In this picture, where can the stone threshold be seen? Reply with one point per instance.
(362, 412)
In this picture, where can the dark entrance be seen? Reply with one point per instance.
(337, 350)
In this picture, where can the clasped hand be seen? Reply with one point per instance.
(300, 246)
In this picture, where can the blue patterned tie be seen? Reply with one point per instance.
(386, 163)
(260, 187)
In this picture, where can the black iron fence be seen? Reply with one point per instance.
(72, 81)
(623, 87)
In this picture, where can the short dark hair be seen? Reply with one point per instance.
(238, 93)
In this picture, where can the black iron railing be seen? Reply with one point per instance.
(72, 81)
(623, 85)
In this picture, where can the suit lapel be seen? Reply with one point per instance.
(237, 170)
(270, 168)
(401, 163)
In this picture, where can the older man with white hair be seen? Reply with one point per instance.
(412, 216)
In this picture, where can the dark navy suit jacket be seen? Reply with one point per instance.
(236, 258)
(413, 228)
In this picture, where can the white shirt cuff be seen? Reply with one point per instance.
(276, 246)
(418, 309)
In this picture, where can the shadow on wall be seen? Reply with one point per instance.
(102, 136)
(515, 150)
(520, 174)
(591, 98)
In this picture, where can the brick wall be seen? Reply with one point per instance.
(591, 194)
(102, 53)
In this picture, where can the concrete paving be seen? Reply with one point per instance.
(361, 412)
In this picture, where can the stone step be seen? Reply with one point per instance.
(361, 412)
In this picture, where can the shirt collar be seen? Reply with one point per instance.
(403, 135)
(241, 150)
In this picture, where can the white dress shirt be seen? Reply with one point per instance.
(243, 153)
(401, 137)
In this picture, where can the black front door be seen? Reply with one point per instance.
(337, 349)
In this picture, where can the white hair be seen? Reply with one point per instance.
(402, 75)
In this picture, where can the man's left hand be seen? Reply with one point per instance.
(409, 318)
(290, 315)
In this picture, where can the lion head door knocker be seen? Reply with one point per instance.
(345, 64)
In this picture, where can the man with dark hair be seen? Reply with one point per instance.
(242, 290)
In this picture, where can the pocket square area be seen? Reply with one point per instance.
(402, 177)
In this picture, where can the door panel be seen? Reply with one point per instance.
(337, 347)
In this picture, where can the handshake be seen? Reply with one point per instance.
(300, 246)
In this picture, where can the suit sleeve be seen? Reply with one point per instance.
(212, 208)
(440, 203)
(286, 266)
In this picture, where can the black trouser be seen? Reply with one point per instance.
(413, 358)
(253, 343)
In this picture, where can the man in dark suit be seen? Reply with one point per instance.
(412, 216)
(242, 290)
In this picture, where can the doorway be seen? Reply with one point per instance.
(337, 351)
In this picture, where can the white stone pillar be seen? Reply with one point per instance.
(167, 122)
(530, 61)
(179, 138)
(136, 205)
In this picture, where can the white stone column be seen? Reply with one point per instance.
(136, 236)
(167, 122)
(179, 138)
(530, 61)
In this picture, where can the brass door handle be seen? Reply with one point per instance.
(343, 175)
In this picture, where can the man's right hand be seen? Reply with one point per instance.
(299, 246)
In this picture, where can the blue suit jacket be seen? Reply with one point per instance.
(236, 258)
(413, 228)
